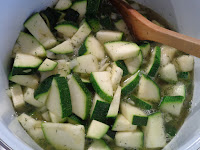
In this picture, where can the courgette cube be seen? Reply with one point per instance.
(25, 64)
(47, 65)
(141, 103)
(121, 50)
(27, 44)
(108, 36)
(122, 124)
(133, 64)
(133, 114)
(148, 90)
(154, 64)
(64, 136)
(80, 96)
(97, 130)
(129, 84)
(130, 139)
(99, 109)
(63, 48)
(154, 132)
(122, 65)
(67, 28)
(172, 104)
(101, 83)
(59, 100)
(38, 28)
(92, 46)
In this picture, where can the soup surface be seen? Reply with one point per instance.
(80, 81)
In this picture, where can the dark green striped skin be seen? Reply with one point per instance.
(100, 111)
(82, 49)
(148, 78)
(130, 87)
(121, 64)
(99, 91)
(140, 120)
(23, 71)
(71, 15)
(107, 23)
(184, 75)
(144, 46)
(73, 119)
(68, 23)
(141, 103)
(94, 23)
(52, 16)
(65, 98)
(171, 130)
(44, 87)
(172, 99)
(92, 7)
(87, 93)
(111, 134)
(30, 18)
(156, 63)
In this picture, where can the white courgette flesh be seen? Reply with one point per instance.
(114, 106)
(133, 64)
(172, 104)
(168, 73)
(130, 139)
(47, 65)
(38, 28)
(25, 80)
(80, 97)
(32, 126)
(63, 4)
(154, 133)
(59, 100)
(86, 64)
(29, 45)
(81, 34)
(17, 96)
(92, 46)
(109, 36)
(184, 63)
(98, 145)
(63, 48)
(148, 90)
(97, 130)
(64, 136)
(121, 50)
(122, 124)
(80, 7)
(167, 54)
(116, 76)
(101, 82)
(29, 98)
(133, 114)
(67, 29)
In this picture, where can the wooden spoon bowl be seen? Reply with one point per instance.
(143, 29)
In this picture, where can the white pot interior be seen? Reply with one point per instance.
(182, 15)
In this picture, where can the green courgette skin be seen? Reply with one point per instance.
(64, 96)
(44, 86)
(99, 90)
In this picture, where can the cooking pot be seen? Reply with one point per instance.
(182, 15)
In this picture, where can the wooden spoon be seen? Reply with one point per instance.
(143, 29)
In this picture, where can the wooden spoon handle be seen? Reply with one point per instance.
(143, 29)
(179, 41)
